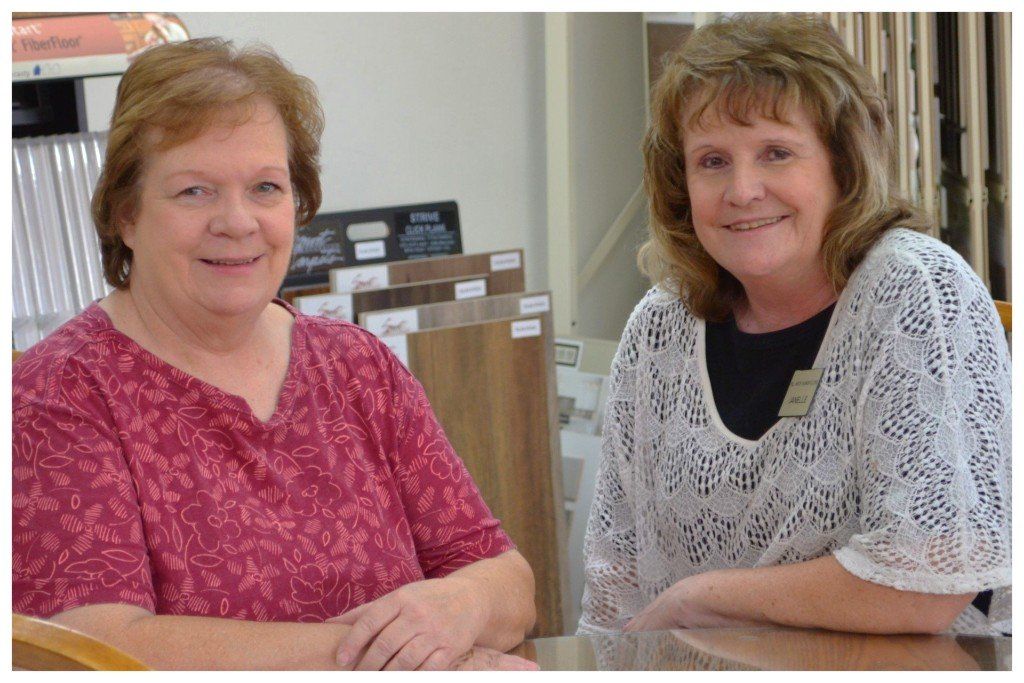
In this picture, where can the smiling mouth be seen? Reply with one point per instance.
(231, 261)
(760, 223)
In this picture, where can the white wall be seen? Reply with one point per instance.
(423, 107)
(608, 119)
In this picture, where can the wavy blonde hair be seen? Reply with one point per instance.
(180, 90)
(759, 65)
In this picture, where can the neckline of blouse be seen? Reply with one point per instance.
(186, 380)
(708, 398)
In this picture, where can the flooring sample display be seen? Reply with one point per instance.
(504, 267)
(348, 306)
(393, 321)
(290, 295)
(492, 386)
(377, 235)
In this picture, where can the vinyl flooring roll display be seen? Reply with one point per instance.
(393, 321)
(492, 386)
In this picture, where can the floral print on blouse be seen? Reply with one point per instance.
(137, 483)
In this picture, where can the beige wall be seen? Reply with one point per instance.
(423, 107)
(607, 124)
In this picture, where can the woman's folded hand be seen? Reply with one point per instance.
(431, 624)
(689, 603)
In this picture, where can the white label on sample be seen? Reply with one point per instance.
(526, 328)
(358, 278)
(369, 249)
(399, 345)
(534, 304)
(506, 260)
(390, 323)
(470, 289)
(337, 306)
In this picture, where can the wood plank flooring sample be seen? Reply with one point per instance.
(348, 306)
(290, 295)
(504, 267)
(393, 321)
(504, 270)
(492, 386)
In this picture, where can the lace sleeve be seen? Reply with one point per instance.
(611, 595)
(934, 443)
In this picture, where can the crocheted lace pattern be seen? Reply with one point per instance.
(901, 469)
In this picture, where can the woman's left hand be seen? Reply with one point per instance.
(422, 625)
(688, 603)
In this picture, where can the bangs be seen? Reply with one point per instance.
(739, 98)
(215, 97)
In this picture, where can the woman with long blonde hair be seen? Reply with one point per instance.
(809, 414)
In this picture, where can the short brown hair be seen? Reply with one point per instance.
(759, 64)
(181, 89)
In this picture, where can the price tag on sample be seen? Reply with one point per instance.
(390, 323)
(801, 392)
(358, 278)
(525, 328)
(370, 249)
(534, 304)
(506, 261)
(470, 289)
(337, 306)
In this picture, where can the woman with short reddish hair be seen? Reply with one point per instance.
(204, 477)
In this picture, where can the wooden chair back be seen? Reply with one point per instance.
(15, 354)
(40, 645)
(1005, 309)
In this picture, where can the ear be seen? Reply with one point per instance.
(127, 232)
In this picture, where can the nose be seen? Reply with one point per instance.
(235, 218)
(745, 184)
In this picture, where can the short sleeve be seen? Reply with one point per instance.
(611, 593)
(77, 531)
(933, 463)
(450, 522)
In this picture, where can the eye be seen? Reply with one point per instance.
(711, 161)
(194, 191)
(267, 187)
(778, 154)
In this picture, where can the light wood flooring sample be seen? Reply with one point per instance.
(495, 396)
(447, 313)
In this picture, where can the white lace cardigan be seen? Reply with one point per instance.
(901, 469)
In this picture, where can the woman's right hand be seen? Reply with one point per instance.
(485, 659)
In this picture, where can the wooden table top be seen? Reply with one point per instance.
(766, 648)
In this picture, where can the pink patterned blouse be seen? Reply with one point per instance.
(137, 483)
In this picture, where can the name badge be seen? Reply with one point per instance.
(801, 392)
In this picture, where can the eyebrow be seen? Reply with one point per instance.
(203, 174)
(792, 142)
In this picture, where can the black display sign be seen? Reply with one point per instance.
(413, 231)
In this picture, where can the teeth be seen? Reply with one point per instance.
(754, 224)
(231, 262)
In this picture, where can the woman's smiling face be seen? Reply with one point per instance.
(760, 195)
(216, 218)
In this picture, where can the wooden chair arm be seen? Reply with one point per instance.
(1005, 309)
(41, 645)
